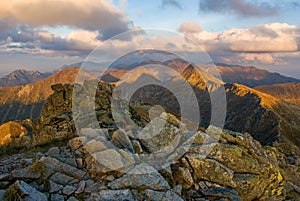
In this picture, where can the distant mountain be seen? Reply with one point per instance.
(266, 117)
(289, 92)
(251, 76)
(245, 75)
(25, 102)
(22, 77)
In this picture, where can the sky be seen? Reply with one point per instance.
(47, 34)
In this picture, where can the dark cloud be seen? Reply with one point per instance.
(240, 7)
(89, 14)
(171, 3)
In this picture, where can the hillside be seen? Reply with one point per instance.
(289, 92)
(237, 167)
(22, 77)
(251, 76)
(25, 102)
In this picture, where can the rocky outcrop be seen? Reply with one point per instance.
(16, 134)
(55, 122)
(106, 164)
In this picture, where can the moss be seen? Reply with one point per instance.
(39, 167)
(12, 194)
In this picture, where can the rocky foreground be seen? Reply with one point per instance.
(115, 165)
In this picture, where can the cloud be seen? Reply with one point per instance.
(171, 3)
(239, 7)
(89, 14)
(189, 27)
(273, 37)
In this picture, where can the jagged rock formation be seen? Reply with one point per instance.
(25, 102)
(237, 167)
(22, 77)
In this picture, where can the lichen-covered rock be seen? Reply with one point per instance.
(27, 193)
(116, 195)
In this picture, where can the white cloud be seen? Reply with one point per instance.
(274, 37)
(189, 27)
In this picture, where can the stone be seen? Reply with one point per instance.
(76, 143)
(94, 146)
(53, 152)
(25, 174)
(2, 192)
(109, 195)
(166, 140)
(183, 177)
(61, 178)
(79, 162)
(71, 161)
(205, 169)
(123, 139)
(228, 193)
(106, 161)
(137, 146)
(81, 187)
(161, 196)
(142, 176)
(68, 190)
(54, 187)
(57, 197)
(4, 176)
(58, 166)
(72, 199)
(28, 193)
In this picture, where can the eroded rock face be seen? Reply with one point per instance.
(55, 122)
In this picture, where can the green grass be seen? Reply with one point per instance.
(39, 167)
(12, 194)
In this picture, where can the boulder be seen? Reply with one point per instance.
(28, 193)
(109, 195)
(142, 176)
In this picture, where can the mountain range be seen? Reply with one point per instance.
(237, 162)
(289, 92)
(21, 77)
(22, 102)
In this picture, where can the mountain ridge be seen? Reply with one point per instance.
(21, 77)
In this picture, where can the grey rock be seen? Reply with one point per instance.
(58, 166)
(162, 196)
(4, 176)
(72, 199)
(107, 161)
(57, 197)
(54, 187)
(142, 176)
(109, 195)
(53, 152)
(28, 193)
(68, 190)
(2, 192)
(71, 161)
(122, 139)
(61, 178)
(94, 146)
(25, 174)
(81, 187)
